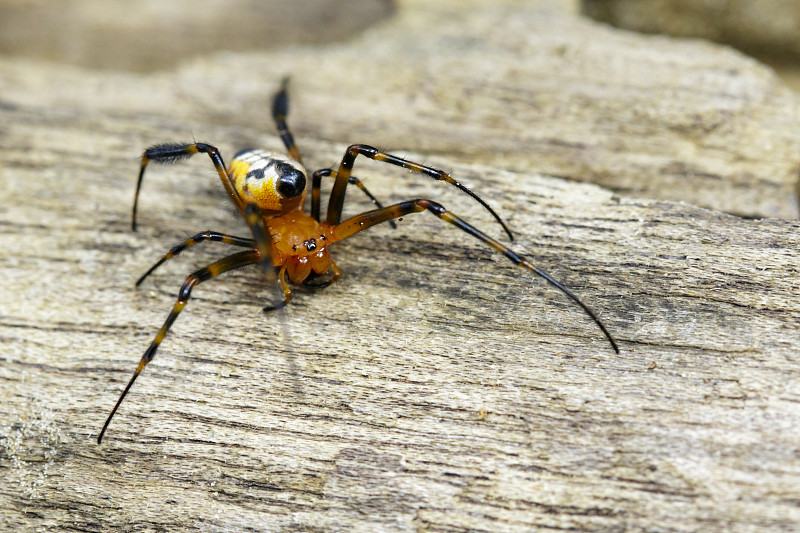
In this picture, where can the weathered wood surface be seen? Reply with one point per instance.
(435, 387)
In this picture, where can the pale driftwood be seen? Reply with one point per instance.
(434, 388)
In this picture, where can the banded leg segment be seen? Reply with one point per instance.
(261, 236)
(170, 153)
(287, 292)
(232, 262)
(207, 235)
(316, 184)
(366, 220)
(336, 202)
(280, 109)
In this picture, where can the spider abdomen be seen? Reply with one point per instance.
(276, 183)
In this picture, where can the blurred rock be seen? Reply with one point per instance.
(760, 27)
(145, 35)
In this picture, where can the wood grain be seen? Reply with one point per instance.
(436, 387)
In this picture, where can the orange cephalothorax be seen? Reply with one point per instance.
(300, 243)
(276, 183)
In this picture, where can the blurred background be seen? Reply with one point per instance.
(768, 30)
(148, 35)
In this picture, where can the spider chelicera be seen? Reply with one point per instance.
(269, 192)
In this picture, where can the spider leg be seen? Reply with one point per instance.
(316, 183)
(336, 202)
(232, 262)
(261, 236)
(170, 153)
(207, 235)
(280, 109)
(287, 292)
(363, 221)
(263, 244)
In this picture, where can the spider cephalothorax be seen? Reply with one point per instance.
(300, 244)
(269, 192)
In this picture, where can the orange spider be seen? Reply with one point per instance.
(269, 192)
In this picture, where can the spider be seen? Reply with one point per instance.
(269, 191)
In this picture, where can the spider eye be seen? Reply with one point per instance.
(291, 182)
(311, 245)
